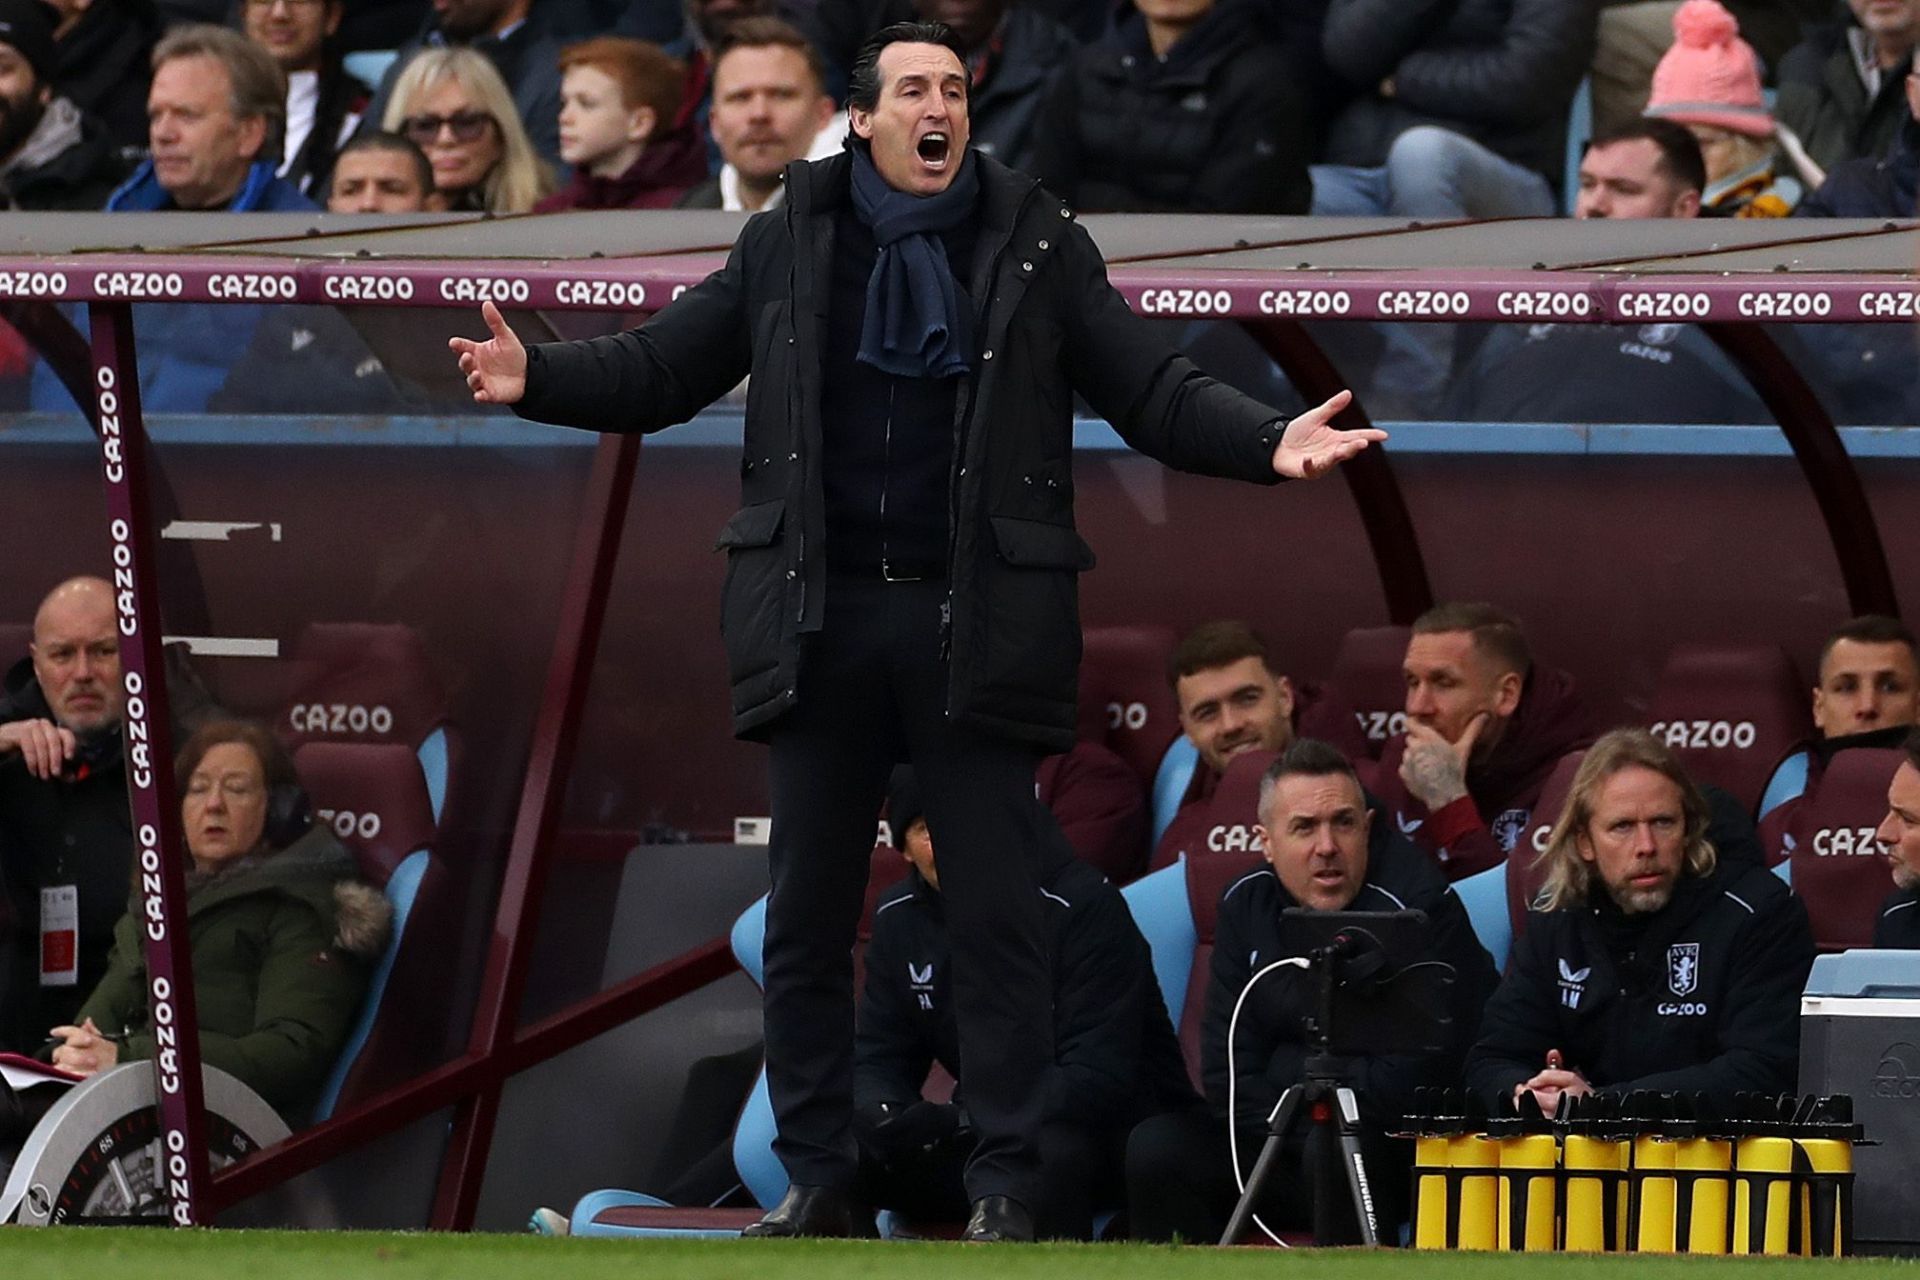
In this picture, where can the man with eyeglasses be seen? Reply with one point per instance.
(66, 837)
(323, 101)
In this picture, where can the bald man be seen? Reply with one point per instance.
(65, 832)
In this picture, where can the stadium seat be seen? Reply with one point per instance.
(1579, 133)
(1524, 873)
(635, 1214)
(1207, 878)
(1484, 895)
(369, 66)
(1158, 902)
(1223, 823)
(1366, 672)
(1837, 868)
(1731, 713)
(375, 802)
(372, 682)
(1124, 699)
(1170, 783)
(1789, 780)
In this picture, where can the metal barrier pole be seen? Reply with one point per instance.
(582, 610)
(181, 1167)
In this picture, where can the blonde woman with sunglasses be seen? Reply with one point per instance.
(453, 104)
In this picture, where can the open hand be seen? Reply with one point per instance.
(1312, 446)
(44, 746)
(496, 370)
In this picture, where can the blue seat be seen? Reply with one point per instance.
(402, 889)
(1484, 895)
(1158, 902)
(370, 65)
(1579, 131)
(1789, 780)
(635, 1214)
(1170, 782)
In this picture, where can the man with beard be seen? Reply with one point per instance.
(522, 38)
(768, 108)
(1650, 962)
(52, 154)
(1485, 726)
(1899, 835)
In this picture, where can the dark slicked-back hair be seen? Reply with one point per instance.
(1870, 628)
(1306, 758)
(863, 82)
(1495, 632)
(1213, 645)
(1680, 157)
(381, 140)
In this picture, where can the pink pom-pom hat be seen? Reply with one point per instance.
(1710, 75)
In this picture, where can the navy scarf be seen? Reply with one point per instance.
(916, 326)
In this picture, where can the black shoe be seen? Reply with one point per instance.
(814, 1211)
(997, 1218)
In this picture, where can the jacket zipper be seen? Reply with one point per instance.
(886, 480)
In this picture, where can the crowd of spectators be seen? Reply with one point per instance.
(1418, 108)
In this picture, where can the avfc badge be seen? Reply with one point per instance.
(1683, 968)
(1509, 826)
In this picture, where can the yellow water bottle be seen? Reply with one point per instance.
(1651, 1177)
(1528, 1199)
(1476, 1157)
(1763, 1184)
(1590, 1158)
(1436, 1122)
(1703, 1174)
(1826, 1141)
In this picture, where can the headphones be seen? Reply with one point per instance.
(289, 814)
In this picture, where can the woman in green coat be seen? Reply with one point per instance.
(284, 936)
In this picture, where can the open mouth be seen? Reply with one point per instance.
(933, 148)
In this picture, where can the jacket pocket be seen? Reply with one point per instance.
(750, 602)
(1029, 658)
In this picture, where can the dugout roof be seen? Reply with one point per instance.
(1352, 268)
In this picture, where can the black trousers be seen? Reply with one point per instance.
(1080, 1175)
(873, 691)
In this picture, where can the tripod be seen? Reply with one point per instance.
(1328, 1105)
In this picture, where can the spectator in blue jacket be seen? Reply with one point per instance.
(216, 112)
(215, 116)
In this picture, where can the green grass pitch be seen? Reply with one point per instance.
(277, 1255)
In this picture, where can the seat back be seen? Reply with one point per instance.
(1223, 823)
(375, 801)
(1731, 713)
(1366, 672)
(1125, 703)
(1837, 868)
(14, 639)
(371, 682)
(1525, 874)
(1158, 902)
(1207, 878)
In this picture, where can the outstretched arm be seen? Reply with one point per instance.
(1312, 446)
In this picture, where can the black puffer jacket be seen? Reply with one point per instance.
(69, 162)
(1214, 127)
(1701, 996)
(102, 65)
(1502, 72)
(1271, 1051)
(1051, 326)
(1898, 927)
(1116, 1059)
(1824, 102)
